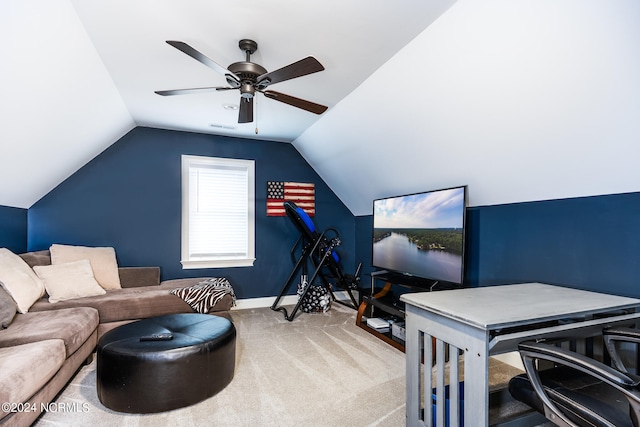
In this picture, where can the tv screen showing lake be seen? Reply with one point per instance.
(403, 251)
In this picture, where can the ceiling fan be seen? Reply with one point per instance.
(250, 78)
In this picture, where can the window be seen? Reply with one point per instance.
(218, 215)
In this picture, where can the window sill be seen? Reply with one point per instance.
(187, 265)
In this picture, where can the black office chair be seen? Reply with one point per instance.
(579, 391)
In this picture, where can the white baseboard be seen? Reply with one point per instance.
(249, 303)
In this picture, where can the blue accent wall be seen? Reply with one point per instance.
(129, 197)
(13, 229)
(590, 243)
(364, 235)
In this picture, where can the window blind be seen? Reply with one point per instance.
(219, 212)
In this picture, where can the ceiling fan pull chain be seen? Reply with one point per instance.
(255, 101)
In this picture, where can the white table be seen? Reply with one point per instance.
(479, 322)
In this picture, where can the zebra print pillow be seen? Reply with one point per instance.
(206, 294)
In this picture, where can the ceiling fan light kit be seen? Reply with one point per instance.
(249, 78)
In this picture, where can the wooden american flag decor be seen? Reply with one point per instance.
(301, 193)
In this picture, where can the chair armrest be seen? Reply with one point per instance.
(623, 334)
(531, 352)
(579, 362)
(134, 277)
(614, 335)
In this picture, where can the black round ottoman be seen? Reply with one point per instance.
(139, 372)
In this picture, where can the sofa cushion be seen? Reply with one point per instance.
(136, 303)
(69, 280)
(71, 325)
(8, 308)
(26, 368)
(37, 258)
(102, 259)
(19, 280)
(130, 277)
(133, 277)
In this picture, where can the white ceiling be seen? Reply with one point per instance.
(59, 107)
(350, 38)
(520, 99)
(81, 73)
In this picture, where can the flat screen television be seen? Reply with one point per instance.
(422, 234)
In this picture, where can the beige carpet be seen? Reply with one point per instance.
(319, 370)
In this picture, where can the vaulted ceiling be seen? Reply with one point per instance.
(521, 100)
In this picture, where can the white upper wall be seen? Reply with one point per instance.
(521, 100)
(59, 107)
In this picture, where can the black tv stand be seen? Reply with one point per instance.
(406, 280)
(384, 304)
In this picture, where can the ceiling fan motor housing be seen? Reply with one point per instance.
(248, 72)
(247, 90)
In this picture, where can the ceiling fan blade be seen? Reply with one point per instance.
(192, 90)
(185, 48)
(308, 65)
(296, 102)
(245, 114)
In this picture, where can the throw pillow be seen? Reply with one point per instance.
(69, 280)
(8, 308)
(102, 259)
(19, 280)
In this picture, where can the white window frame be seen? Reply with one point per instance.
(191, 260)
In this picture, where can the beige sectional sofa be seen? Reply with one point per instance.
(41, 350)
